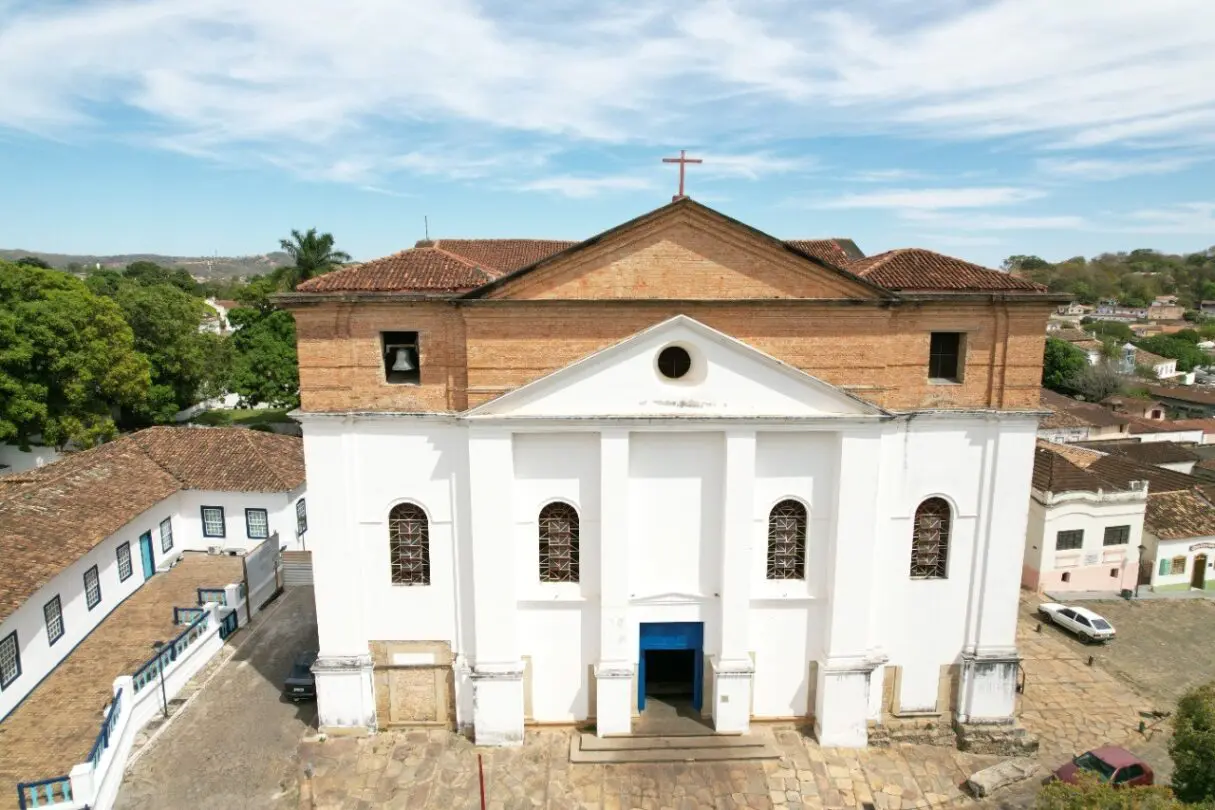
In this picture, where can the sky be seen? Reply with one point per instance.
(979, 128)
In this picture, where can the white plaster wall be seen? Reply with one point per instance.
(1168, 549)
(19, 460)
(280, 512)
(1182, 436)
(38, 656)
(675, 497)
(1033, 535)
(1092, 518)
(786, 636)
(562, 641)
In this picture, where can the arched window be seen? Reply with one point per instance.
(930, 540)
(409, 545)
(787, 541)
(558, 543)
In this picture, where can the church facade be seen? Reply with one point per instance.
(680, 461)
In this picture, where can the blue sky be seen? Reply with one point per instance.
(979, 128)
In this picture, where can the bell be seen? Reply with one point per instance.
(404, 360)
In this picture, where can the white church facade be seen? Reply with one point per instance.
(654, 506)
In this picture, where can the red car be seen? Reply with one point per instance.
(1109, 764)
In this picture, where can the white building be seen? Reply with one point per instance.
(1179, 532)
(81, 534)
(533, 510)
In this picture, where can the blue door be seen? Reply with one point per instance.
(145, 552)
(673, 636)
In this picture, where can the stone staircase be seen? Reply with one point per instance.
(589, 749)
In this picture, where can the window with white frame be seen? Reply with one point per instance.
(52, 611)
(213, 521)
(92, 588)
(166, 534)
(301, 517)
(10, 660)
(124, 562)
(257, 524)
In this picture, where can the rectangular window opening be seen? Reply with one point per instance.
(945, 357)
(10, 660)
(401, 358)
(213, 521)
(52, 611)
(124, 562)
(1069, 540)
(92, 588)
(257, 524)
(301, 517)
(166, 534)
(1117, 535)
(1178, 565)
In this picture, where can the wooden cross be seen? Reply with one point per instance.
(683, 160)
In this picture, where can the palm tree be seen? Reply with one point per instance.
(313, 254)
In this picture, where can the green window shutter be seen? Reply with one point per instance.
(1164, 567)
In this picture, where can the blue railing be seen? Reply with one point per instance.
(228, 625)
(187, 615)
(168, 653)
(44, 793)
(206, 595)
(107, 728)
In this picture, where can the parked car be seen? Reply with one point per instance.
(1109, 764)
(1083, 622)
(301, 683)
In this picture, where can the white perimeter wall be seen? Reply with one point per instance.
(280, 511)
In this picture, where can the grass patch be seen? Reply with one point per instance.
(247, 417)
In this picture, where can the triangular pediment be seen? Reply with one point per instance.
(682, 251)
(726, 379)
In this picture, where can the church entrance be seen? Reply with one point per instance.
(671, 666)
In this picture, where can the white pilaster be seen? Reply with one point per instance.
(497, 675)
(613, 674)
(842, 696)
(732, 667)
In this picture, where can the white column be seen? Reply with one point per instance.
(842, 697)
(614, 672)
(732, 667)
(497, 674)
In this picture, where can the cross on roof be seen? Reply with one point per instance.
(683, 160)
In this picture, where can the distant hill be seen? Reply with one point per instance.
(203, 267)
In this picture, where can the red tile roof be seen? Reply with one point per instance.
(833, 251)
(922, 270)
(424, 269)
(502, 256)
(1177, 515)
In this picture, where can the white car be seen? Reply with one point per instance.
(1083, 622)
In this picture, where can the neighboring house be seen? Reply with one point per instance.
(1166, 311)
(1186, 402)
(1207, 307)
(1133, 406)
(217, 320)
(544, 481)
(1114, 312)
(1071, 420)
(1073, 309)
(1164, 367)
(1179, 533)
(80, 535)
(1084, 533)
(1166, 455)
(1182, 431)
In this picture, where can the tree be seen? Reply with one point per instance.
(265, 368)
(1193, 746)
(105, 282)
(166, 322)
(33, 261)
(1189, 335)
(1110, 329)
(1061, 363)
(1095, 383)
(1093, 794)
(149, 274)
(1025, 263)
(1187, 355)
(313, 255)
(67, 359)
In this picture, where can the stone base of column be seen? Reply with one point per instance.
(1006, 739)
(613, 698)
(732, 695)
(345, 694)
(988, 689)
(498, 704)
(841, 703)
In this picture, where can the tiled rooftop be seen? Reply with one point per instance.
(1176, 515)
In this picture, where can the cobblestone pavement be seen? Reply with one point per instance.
(234, 745)
(437, 770)
(54, 727)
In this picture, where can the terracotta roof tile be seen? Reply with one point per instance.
(51, 516)
(1070, 335)
(1177, 515)
(838, 252)
(1055, 473)
(1184, 393)
(425, 269)
(1068, 412)
(502, 256)
(923, 270)
(1120, 471)
(1146, 452)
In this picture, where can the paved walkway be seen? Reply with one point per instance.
(235, 745)
(54, 727)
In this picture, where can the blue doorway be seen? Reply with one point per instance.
(671, 661)
(145, 553)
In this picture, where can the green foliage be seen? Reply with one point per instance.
(1133, 279)
(1110, 329)
(67, 358)
(151, 274)
(33, 261)
(1186, 353)
(313, 255)
(1095, 383)
(1192, 747)
(105, 282)
(1090, 793)
(265, 367)
(1190, 335)
(1062, 362)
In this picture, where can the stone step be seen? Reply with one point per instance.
(589, 749)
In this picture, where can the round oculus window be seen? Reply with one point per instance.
(674, 362)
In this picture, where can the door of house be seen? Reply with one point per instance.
(1198, 579)
(671, 660)
(145, 553)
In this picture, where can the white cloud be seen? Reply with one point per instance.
(979, 221)
(1106, 169)
(886, 176)
(1184, 218)
(749, 166)
(581, 187)
(932, 199)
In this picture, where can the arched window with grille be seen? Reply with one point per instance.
(409, 545)
(930, 540)
(787, 541)
(558, 543)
